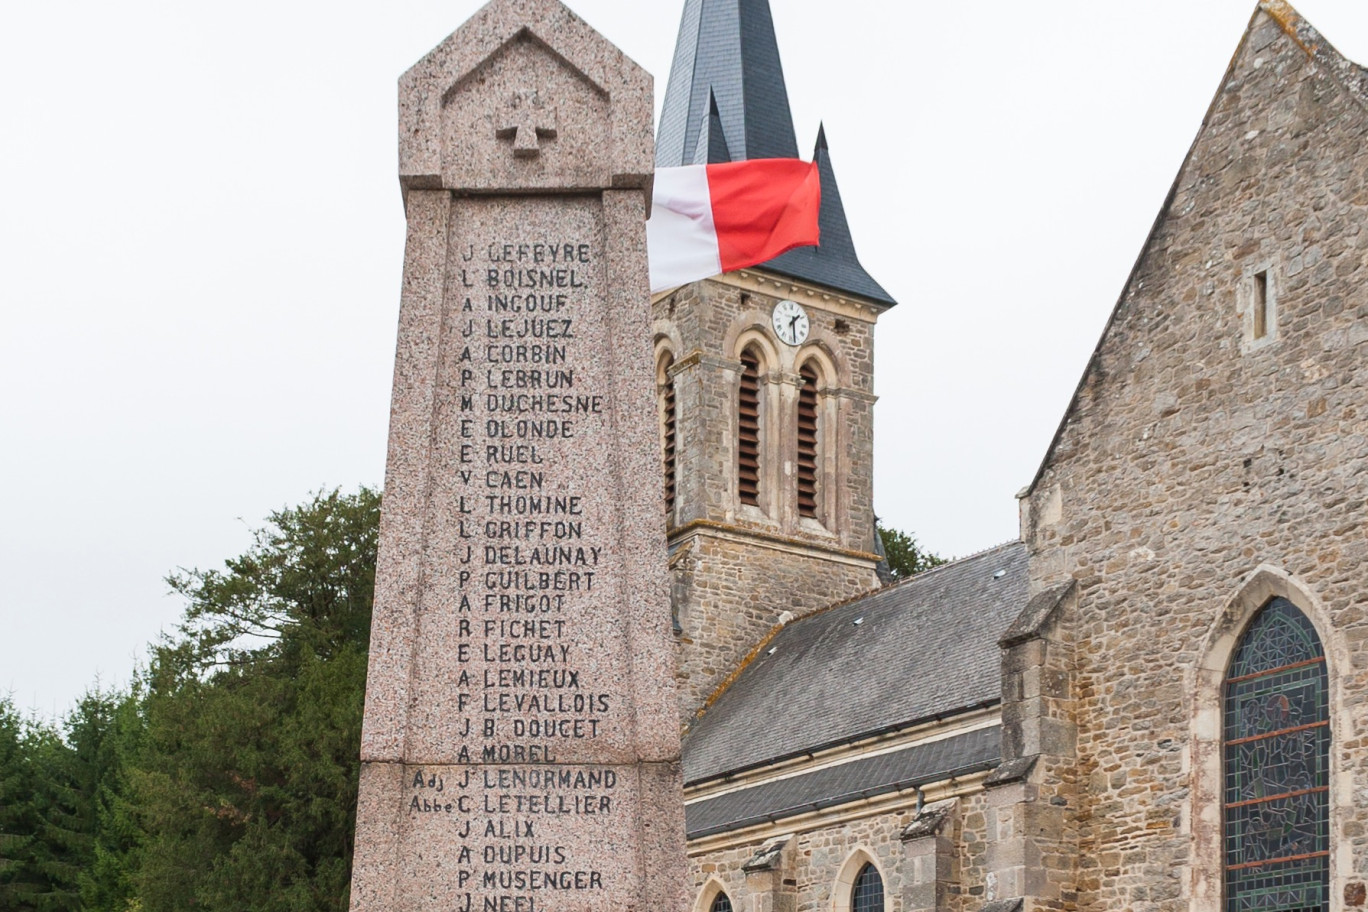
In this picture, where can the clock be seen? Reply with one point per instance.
(790, 322)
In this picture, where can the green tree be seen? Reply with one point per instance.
(905, 557)
(106, 732)
(17, 815)
(247, 779)
(45, 831)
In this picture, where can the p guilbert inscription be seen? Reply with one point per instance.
(520, 751)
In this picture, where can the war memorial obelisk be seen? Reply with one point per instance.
(520, 751)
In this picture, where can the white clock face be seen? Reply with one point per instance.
(790, 322)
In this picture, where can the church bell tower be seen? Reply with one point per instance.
(765, 378)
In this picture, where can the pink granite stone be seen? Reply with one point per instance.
(520, 750)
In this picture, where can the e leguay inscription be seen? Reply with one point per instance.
(520, 751)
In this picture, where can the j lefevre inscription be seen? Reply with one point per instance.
(519, 751)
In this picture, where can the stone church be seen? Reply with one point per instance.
(1149, 702)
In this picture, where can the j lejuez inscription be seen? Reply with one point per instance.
(519, 751)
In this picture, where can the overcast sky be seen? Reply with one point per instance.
(201, 238)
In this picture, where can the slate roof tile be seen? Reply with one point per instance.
(923, 649)
(919, 764)
(726, 100)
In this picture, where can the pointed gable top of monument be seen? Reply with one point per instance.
(525, 95)
(726, 56)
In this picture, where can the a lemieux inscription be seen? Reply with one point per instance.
(519, 404)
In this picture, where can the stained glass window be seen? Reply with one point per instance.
(867, 894)
(721, 903)
(1277, 767)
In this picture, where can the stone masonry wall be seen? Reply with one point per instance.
(812, 863)
(729, 595)
(1195, 454)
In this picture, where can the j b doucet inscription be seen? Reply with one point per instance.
(526, 560)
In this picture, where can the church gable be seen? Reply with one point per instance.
(1244, 292)
(1219, 428)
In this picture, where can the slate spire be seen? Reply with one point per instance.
(834, 263)
(726, 101)
(726, 56)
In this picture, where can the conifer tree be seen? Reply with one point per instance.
(247, 778)
(17, 817)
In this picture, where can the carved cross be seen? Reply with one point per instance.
(527, 122)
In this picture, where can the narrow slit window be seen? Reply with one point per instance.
(807, 442)
(748, 430)
(1260, 304)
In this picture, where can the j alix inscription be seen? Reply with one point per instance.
(519, 753)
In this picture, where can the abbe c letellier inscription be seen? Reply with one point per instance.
(527, 558)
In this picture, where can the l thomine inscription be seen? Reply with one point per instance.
(519, 753)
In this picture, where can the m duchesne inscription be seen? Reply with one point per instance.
(518, 749)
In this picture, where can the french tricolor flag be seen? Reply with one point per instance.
(710, 219)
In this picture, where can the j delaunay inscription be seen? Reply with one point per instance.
(519, 753)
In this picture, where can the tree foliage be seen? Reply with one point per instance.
(247, 778)
(905, 557)
(226, 777)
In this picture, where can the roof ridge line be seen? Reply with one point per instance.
(1316, 47)
(952, 562)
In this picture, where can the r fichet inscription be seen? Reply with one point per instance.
(520, 750)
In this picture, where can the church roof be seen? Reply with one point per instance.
(909, 653)
(832, 786)
(726, 100)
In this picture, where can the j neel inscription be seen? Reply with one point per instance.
(520, 404)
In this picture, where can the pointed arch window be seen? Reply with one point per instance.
(721, 902)
(807, 441)
(669, 433)
(867, 893)
(748, 429)
(1277, 767)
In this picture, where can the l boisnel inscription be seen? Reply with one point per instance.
(526, 554)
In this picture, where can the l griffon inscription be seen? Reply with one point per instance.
(520, 752)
